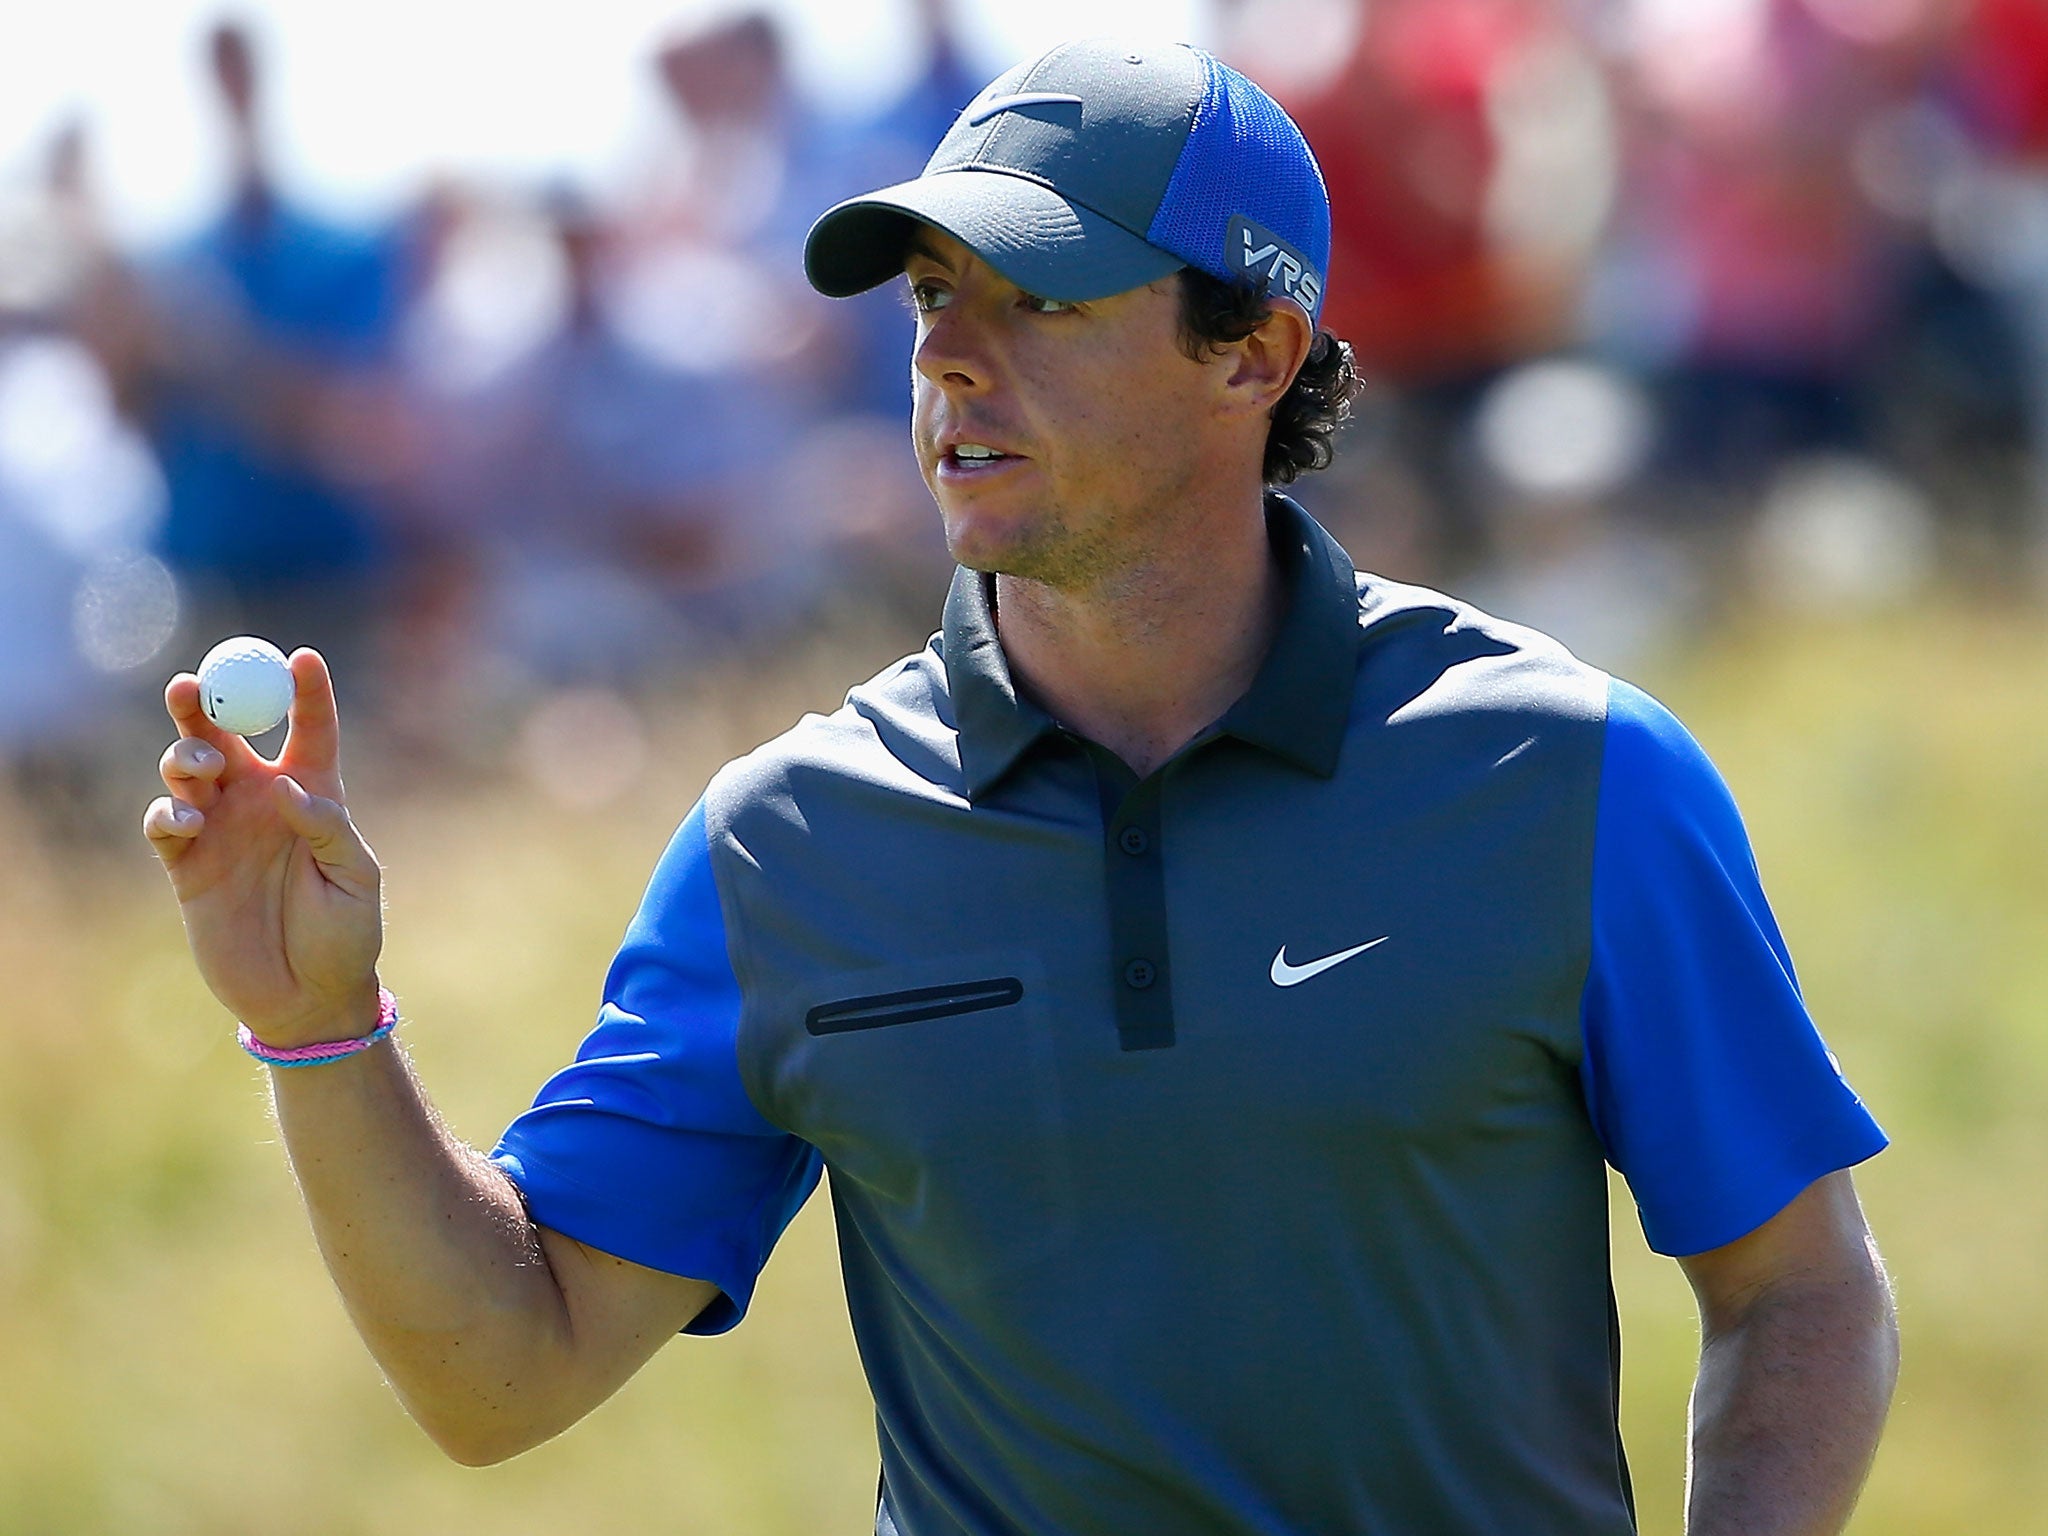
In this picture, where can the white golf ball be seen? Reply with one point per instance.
(244, 685)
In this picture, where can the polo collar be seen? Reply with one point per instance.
(1296, 708)
(1299, 704)
(995, 725)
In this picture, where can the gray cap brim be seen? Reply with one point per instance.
(1036, 238)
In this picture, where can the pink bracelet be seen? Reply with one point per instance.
(330, 1050)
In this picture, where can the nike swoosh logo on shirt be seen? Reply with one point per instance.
(1285, 975)
(989, 109)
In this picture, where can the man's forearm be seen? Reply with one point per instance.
(437, 1263)
(1788, 1407)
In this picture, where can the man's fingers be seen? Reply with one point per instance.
(324, 824)
(312, 747)
(170, 825)
(191, 770)
(181, 700)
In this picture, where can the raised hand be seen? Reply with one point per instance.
(279, 892)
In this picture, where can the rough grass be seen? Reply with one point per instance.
(176, 1361)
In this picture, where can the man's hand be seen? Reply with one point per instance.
(278, 890)
(1799, 1355)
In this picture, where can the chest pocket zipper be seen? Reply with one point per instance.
(886, 1008)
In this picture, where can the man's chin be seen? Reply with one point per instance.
(993, 546)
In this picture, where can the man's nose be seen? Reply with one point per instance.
(952, 353)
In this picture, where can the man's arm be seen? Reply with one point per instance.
(496, 1333)
(1799, 1353)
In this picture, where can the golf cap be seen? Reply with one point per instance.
(1100, 166)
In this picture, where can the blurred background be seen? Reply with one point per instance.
(1710, 335)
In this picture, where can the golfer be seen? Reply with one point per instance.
(1215, 981)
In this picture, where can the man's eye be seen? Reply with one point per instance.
(926, 297)
(1043, 306)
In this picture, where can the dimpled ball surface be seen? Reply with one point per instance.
(244, 685)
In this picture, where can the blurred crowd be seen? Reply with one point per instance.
(1662, 303)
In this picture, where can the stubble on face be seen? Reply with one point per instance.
(1040, 545)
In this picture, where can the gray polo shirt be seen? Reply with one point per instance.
(1223, 1150)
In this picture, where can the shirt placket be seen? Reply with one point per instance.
(1134, 868)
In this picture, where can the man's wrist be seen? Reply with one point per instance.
(352, 1016)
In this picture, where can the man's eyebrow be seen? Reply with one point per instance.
(921, 245)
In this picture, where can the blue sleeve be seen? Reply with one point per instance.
(1706, 1080)
(648, 1147)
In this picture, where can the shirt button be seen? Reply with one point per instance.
(1140, 974)
(1133, 840)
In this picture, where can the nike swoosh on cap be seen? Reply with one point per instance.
(989, 109)
(1285, 975)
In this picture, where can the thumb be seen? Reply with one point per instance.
(336, 846)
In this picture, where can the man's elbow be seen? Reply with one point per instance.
(469, 1449)
(1854, 1299)
(1842, 1321)
(482, 1434)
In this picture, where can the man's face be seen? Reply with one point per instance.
(1099, 417)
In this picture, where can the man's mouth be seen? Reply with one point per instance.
(975, 459)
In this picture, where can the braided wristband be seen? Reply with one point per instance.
(331, 1050)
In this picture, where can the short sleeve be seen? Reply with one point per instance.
(1705, 1077)
(648, 1146)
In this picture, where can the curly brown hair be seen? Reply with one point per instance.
(1214, 313)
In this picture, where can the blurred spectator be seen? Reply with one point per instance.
(1749, 272)
(1999, 218)
(610, 491)
(750, 164)
(823, 390)
(273, 328)
(632, 450)
(81, 601)
(1470, 161)
(80, 495)
(1405, 102)
(83, 605)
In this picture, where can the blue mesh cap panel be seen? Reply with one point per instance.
(1244, 156)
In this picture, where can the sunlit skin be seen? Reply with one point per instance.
(1136, 594)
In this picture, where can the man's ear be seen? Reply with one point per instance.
(1263, 365)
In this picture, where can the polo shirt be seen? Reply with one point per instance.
(1222, 1150)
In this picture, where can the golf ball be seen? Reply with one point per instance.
(244, 685)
